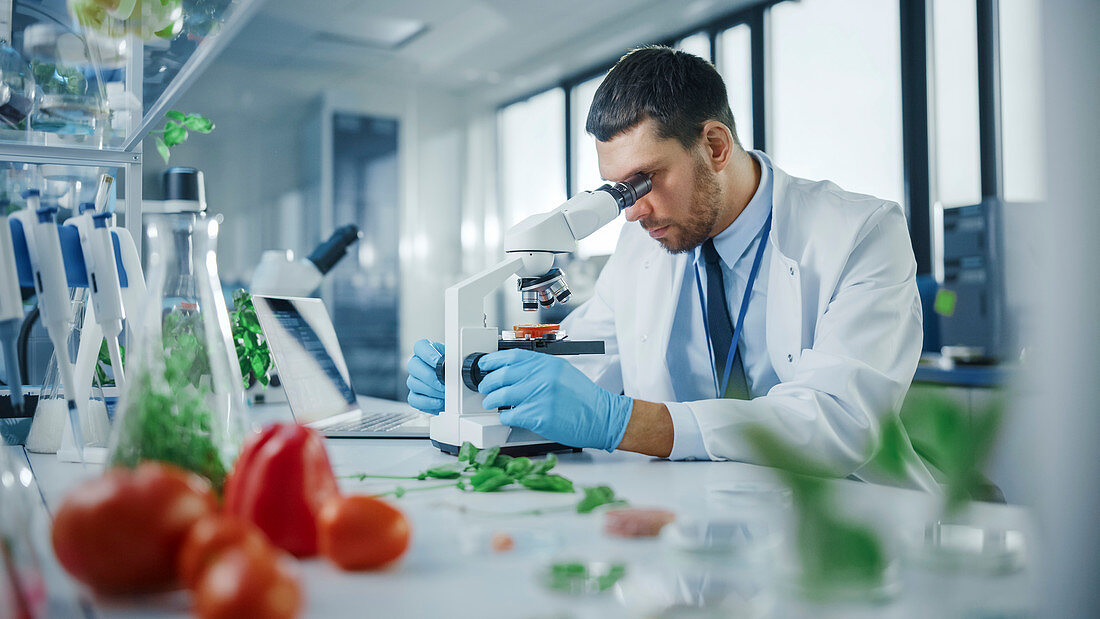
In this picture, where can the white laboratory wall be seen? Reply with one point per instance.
(261, 172)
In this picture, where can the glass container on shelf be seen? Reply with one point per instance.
(184, 401)
(70, 95)
(16, 88)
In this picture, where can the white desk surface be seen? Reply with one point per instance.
(450, 571)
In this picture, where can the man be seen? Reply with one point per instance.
(745, 297)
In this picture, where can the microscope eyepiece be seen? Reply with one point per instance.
(629, 191)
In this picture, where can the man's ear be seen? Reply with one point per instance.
(718, 144)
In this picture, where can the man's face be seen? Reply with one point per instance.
(681, 210)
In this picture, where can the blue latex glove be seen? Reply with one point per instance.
(425, 390)
(553, 399)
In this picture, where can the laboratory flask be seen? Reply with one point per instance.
(52, 412)
(183, 402)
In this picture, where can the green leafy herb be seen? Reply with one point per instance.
(170, 425)
(487, 457)
(597, 496)
(573, 577)
(547, 483)
(467, 452)
(489, 480)
(176, 128)
(248, 338)
(834, 552)
(104, 360)
(519, 467)
(953, 444)
(447, 471)
(545, 466)
(167, 417)
(489, 471)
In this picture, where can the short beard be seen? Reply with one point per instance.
(706, 206)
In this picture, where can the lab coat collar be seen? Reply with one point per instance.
(734, 242)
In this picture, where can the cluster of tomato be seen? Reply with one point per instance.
(157, 527)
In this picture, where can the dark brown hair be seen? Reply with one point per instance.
(678, 90)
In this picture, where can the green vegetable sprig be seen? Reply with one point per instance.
(176, 129)
(104, 360)
(488, 470)
(170, 427)
(167, 418)
(835, 552)
(248, 338)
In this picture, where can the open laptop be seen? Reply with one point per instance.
(314, 375)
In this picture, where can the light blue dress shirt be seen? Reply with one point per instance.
(689, 356)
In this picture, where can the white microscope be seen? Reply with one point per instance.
(530, 247)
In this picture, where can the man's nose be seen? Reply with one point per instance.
(639, 210)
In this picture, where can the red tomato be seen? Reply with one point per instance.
(361, 532)
(212, 536)
(121, 532)
(239, 584)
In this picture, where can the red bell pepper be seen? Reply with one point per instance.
(280, 481)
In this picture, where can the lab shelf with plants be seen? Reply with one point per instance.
(84, 82)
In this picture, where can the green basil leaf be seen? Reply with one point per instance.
(162, 148)
(518, 467)
(199, 123)
(175, 115)
(174, 134)
(447, 471)
(547, 483)
(487, 457)
(467, 452)
(489, 479)
(545, 465)
(595, 497)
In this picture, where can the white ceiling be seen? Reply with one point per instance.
(488, 49)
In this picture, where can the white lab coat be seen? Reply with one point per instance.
(843, 328)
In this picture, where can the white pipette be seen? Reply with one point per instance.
(11, 311)
(106, 292)
(53, 300)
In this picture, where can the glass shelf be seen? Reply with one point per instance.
(85, 97)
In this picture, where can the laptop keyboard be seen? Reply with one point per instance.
(379, 422)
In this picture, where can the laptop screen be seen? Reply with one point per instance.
(307, 356)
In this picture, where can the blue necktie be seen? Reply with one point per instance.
(721, 327)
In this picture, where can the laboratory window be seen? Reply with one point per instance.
(836, 94)
(532, 155)
(698, 44)
(586, 169)
(735, 65)
(954, 85)
(1021, 101)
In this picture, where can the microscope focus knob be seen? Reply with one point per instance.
(471, 373)
(440, 369)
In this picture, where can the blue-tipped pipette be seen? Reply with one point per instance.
(54, 304)
(11, 311)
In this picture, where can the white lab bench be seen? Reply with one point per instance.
(450, 569)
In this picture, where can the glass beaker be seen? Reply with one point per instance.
(16, 88)
(70, 96)
(184, 402)
(52, 411)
